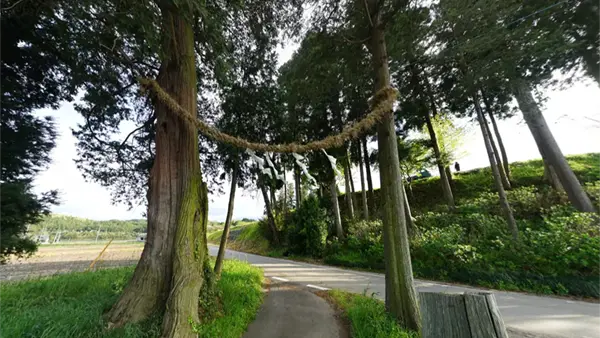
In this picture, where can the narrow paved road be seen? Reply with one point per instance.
(291, 311)
(548, 316)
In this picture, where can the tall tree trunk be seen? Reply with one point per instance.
(410, 225)
(352, 191)
(223, 245)
(503, 176)
(371, 194)
(505, 163)
(549, 149)
(450, 179)
(508, 214)
(348, 194)
(273, 201)
(339, 231)
(444, 181)
(297, 185)
(285, 193)
(269, 210)
(551, 177)
(170, 272)
(400, 296)
(365, 206)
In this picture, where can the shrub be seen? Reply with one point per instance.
(306, 228)
(443, 249)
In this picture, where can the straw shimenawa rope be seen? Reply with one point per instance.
(382, 105)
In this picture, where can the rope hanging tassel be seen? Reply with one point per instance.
(382, 103)
(304, 169)
(333, 162)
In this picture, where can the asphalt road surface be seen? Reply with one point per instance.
(537, 316)
(292, 311)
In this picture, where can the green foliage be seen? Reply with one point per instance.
(414, 155)
(368, 317)
(306, 228)
(26, 144)
(450, 138)
(72, 305)
(240, 291)
(558, 252)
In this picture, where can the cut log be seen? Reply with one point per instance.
(468, 315)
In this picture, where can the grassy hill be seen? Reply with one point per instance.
(558, 251)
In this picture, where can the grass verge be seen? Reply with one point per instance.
(71, 305)
(366, 315)
(246, 238)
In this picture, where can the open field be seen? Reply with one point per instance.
(52, 259)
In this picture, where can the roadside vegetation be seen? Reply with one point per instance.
(72, 305)
(558, 251)
(366, 315)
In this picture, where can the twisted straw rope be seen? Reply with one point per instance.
(382, 101)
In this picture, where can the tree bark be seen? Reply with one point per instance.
(273, 201)
(285, 194)
(352, 190)
(348, 194)
(505, 163)
(365, 206)
(339, 231)
(444, 181)
(400, 296)
(508, 214)
(410, 225)
(371, 194)
(170, 272)
(450, 179)
(224, 237)
(269, 210)
(297, 185)
(548, 147)
(503, 176)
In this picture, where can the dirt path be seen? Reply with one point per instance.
(291, 311)
(50, 260)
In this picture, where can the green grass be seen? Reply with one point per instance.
(250, 239)
(71, 305)
(241, 295)
(367, 316)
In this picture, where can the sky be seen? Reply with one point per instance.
(572, 114)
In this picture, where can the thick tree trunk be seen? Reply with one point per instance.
(223, 244)
(339, 231)
(503, 177)
(365, 206)
(400, 296)
(297, 185)
(549, 149)
(269, 210)
(505, 163)
(444, 180)
(348, 194)
(508, 214)
(371, 193)
(169, 275)
(352, 190)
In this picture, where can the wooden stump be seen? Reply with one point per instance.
(468, 315)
